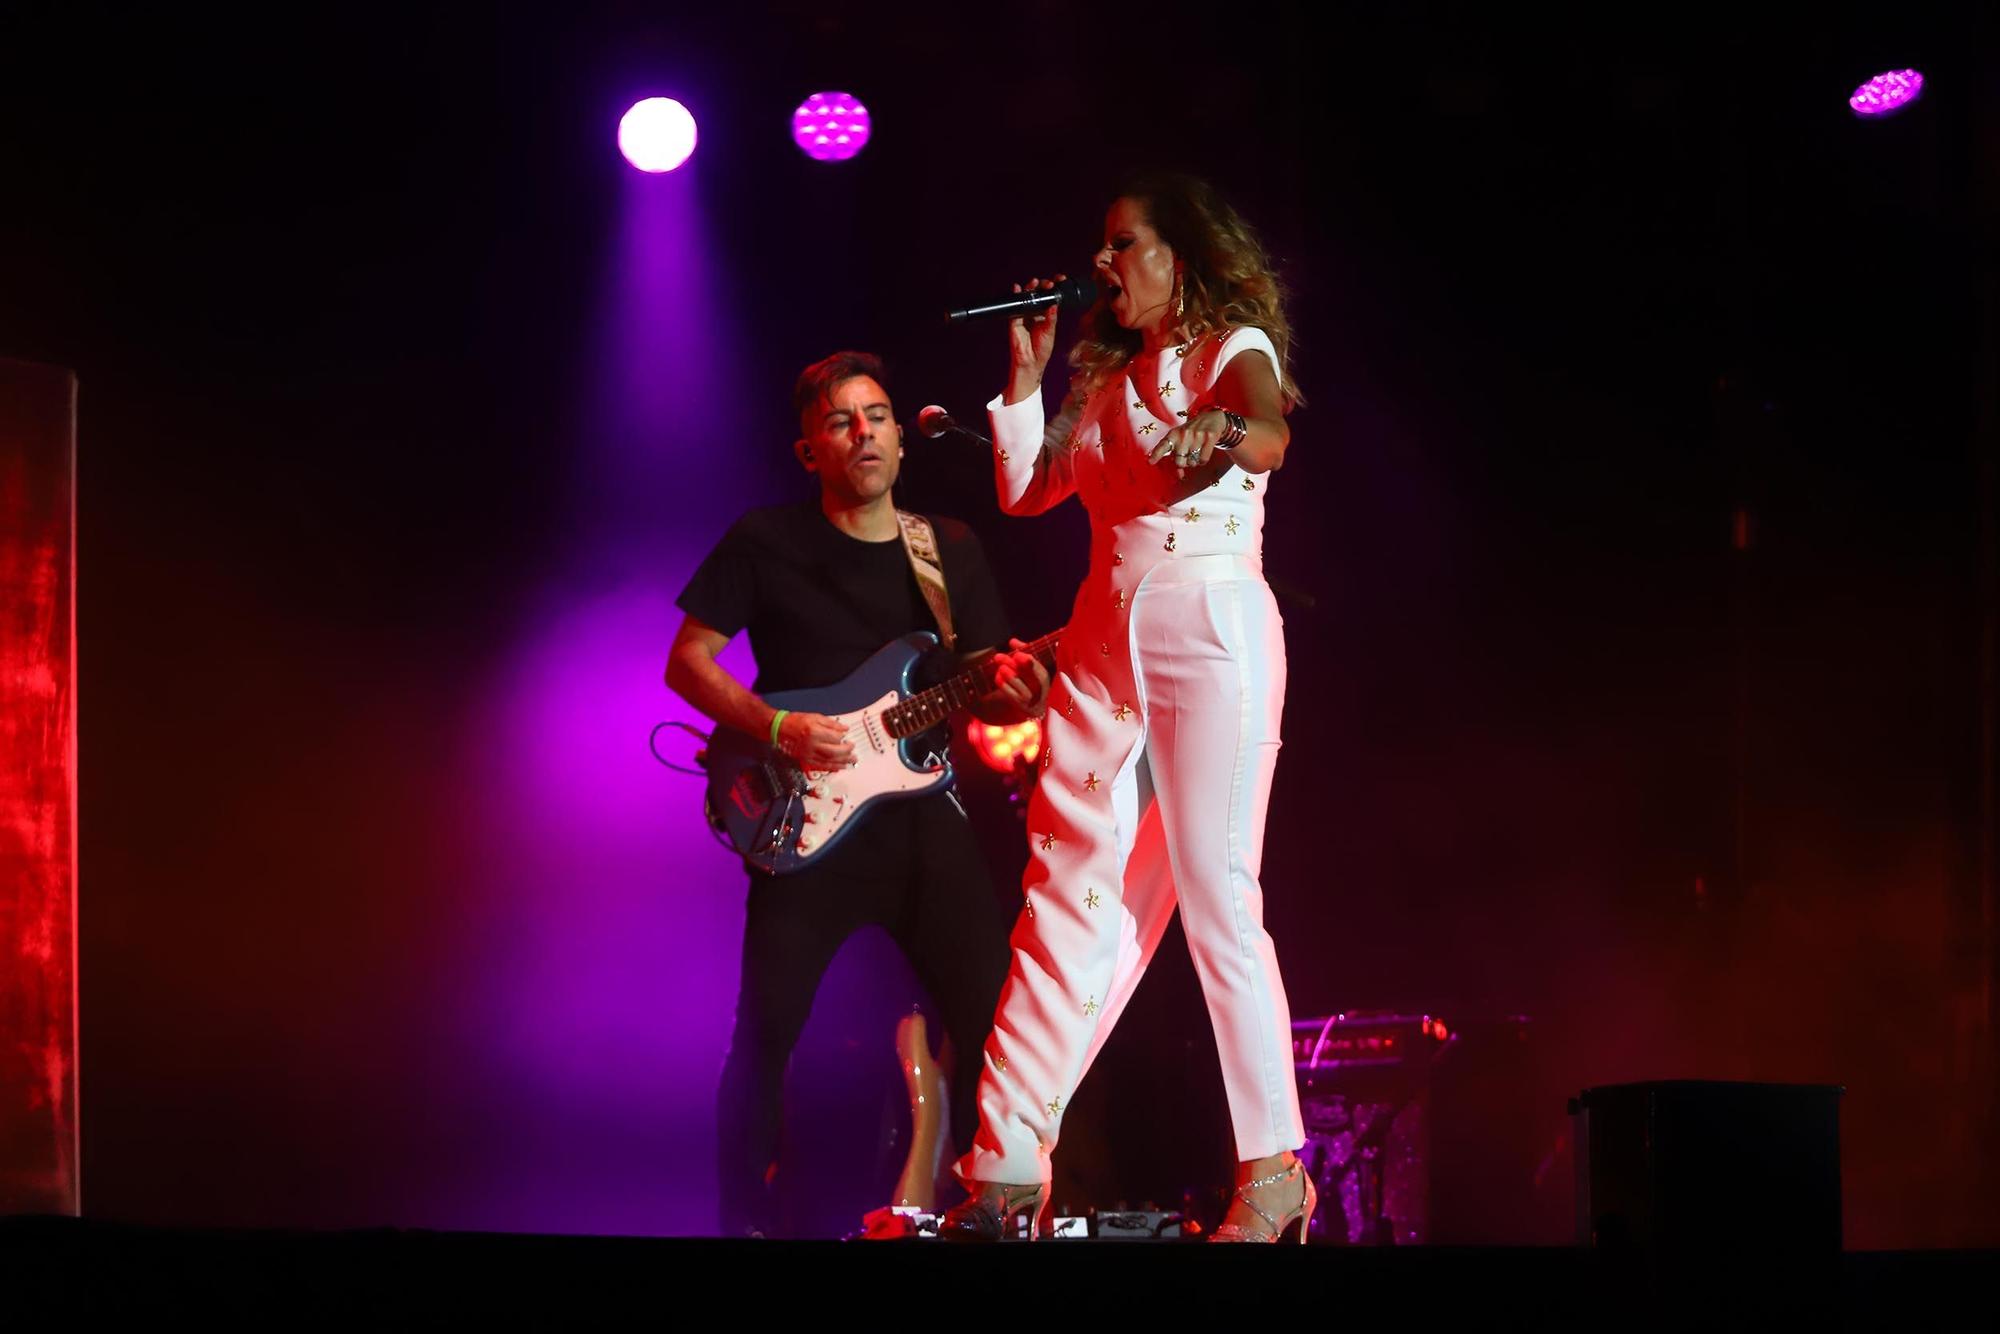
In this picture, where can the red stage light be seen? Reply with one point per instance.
(1001, 746)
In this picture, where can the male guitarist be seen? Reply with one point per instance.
(820, 587)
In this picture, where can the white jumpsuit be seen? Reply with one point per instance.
(1161, 736)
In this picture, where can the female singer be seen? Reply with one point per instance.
(1162, 728)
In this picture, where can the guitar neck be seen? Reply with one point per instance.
(927, 708)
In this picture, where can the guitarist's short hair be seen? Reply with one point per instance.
(818, 381)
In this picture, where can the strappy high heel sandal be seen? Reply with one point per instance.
(988, 1213)
(1300, 1213)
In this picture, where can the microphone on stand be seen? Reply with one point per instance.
(1072, 292)
(934, 422)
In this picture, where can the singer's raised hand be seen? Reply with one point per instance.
(1031, 341)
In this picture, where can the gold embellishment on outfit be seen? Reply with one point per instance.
(1193, 515)
(1170, 541)
(1231, 526)
(1048, 842)
(1149, 428)
(1090, 1007)
(1118, 600)
(1117, 558)
(1183, 349)
(1000, 1063)
(1048, 757)
(1090, 781)
(1090, 899)
(1003, 456)
(1249, 485)
(1122, 712)
(1055, 1106)
(1167, 389)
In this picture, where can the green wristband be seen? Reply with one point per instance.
(777, 721)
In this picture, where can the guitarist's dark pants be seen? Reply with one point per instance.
(913, 868)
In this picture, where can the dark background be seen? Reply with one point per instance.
(1634, 546)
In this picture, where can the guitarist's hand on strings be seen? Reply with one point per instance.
(1020, 682)
(815, 741)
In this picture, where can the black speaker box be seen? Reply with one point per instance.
(1694, 1185)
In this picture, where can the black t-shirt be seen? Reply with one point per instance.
(818, 603)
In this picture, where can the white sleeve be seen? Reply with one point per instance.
(1245, 338)
(1031, 473)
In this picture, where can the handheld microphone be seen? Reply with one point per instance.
(934, 422)
(1075, 292)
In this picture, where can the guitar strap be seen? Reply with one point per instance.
(920, 544)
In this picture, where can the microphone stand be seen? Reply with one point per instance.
(944, 424)
(956, 429)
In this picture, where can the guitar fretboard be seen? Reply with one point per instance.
(927, 708)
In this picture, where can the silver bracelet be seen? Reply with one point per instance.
(1238, 432)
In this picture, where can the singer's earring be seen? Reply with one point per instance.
(1180, 308)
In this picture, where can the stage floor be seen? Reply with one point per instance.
(63, 1268)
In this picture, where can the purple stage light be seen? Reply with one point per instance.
(830, 127)
(1886, 94)
(657, 134)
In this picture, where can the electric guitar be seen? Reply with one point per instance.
(781, 817)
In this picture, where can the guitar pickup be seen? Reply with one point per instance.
(752, 791)
(788, 780)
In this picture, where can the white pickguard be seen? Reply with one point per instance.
(837, 795)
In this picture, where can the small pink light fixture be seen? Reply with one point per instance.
(657, 134)
(830, 127)
(1886, 94)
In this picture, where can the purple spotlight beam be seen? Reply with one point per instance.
(830, 127)
(1886, 94)
(657, 134)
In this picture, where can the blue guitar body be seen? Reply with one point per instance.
(782, 818)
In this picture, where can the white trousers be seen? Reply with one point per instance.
(1147, 804)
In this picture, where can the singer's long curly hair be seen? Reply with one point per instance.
(1226, 278)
